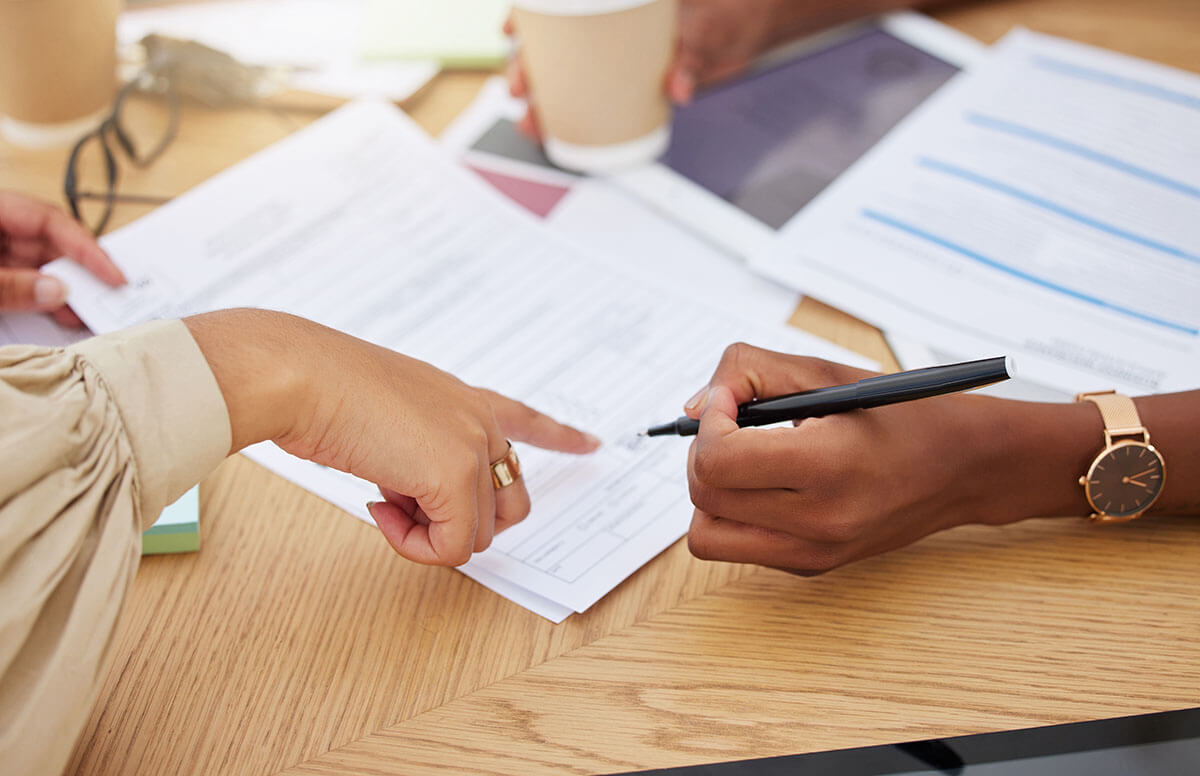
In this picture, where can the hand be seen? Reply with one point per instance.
(720, 38)
(424, 437)
(717, 39)
(832, 490)
(33, 233)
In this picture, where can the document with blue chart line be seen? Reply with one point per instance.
(1045, 203)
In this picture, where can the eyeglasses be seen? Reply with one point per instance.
(90, 183)
(172, 67)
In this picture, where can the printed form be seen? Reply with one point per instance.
(360, 223)
(1045, 205)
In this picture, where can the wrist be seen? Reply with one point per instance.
(1038, 453)
(791, 19)
(1172, 420)
(254, 356)
(778, 22)
(783, 21)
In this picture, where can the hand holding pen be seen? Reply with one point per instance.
(848, 485)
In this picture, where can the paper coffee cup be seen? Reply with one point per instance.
(58, 66)
(596, 71)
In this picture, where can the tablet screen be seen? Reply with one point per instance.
(1164, 744)
(770, 142)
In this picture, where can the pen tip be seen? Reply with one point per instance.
(643, 433)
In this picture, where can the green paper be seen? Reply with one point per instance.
(456, 33)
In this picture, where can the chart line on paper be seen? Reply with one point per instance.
(1083, 152)
(1053, 207)
(1118, 82)
(1013, 271)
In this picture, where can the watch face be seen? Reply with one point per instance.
(1125, 479)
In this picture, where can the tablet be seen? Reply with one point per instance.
(1163, 744)
(748, 154)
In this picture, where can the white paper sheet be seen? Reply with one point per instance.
(359, 223)
(37, 329)
(648, 242)
(1043, 205)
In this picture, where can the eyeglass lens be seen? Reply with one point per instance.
(139, 129)
(91, 180)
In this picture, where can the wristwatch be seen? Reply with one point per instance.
(1128, 474)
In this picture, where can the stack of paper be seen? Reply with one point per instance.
(358, 210)
(177, 528)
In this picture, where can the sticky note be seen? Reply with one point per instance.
(456, 33)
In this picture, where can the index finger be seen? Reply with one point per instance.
(525, 424)
(25, 218)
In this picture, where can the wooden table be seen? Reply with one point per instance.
(295, 642)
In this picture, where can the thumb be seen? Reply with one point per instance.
(714, 454)
(681, 81)
(719, 418)
(28, 289)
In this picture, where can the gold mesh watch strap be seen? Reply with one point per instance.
(1119, 413)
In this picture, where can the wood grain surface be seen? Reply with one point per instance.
(295, 642)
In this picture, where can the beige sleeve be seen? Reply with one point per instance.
(95, 441)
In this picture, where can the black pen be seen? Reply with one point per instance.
(867, 393)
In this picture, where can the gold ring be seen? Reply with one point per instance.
(507, 469)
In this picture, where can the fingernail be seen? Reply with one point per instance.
(695, 402)
(120, 276)
(593, 440)
(685, 87)
(49, 292)
(371, 505)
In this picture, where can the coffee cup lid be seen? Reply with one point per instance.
(578, 7)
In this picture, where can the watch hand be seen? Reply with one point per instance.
(1151, 470)
(1132, 481)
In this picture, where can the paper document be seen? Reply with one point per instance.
(358, 222)
(584, 209)
(1043, 205)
